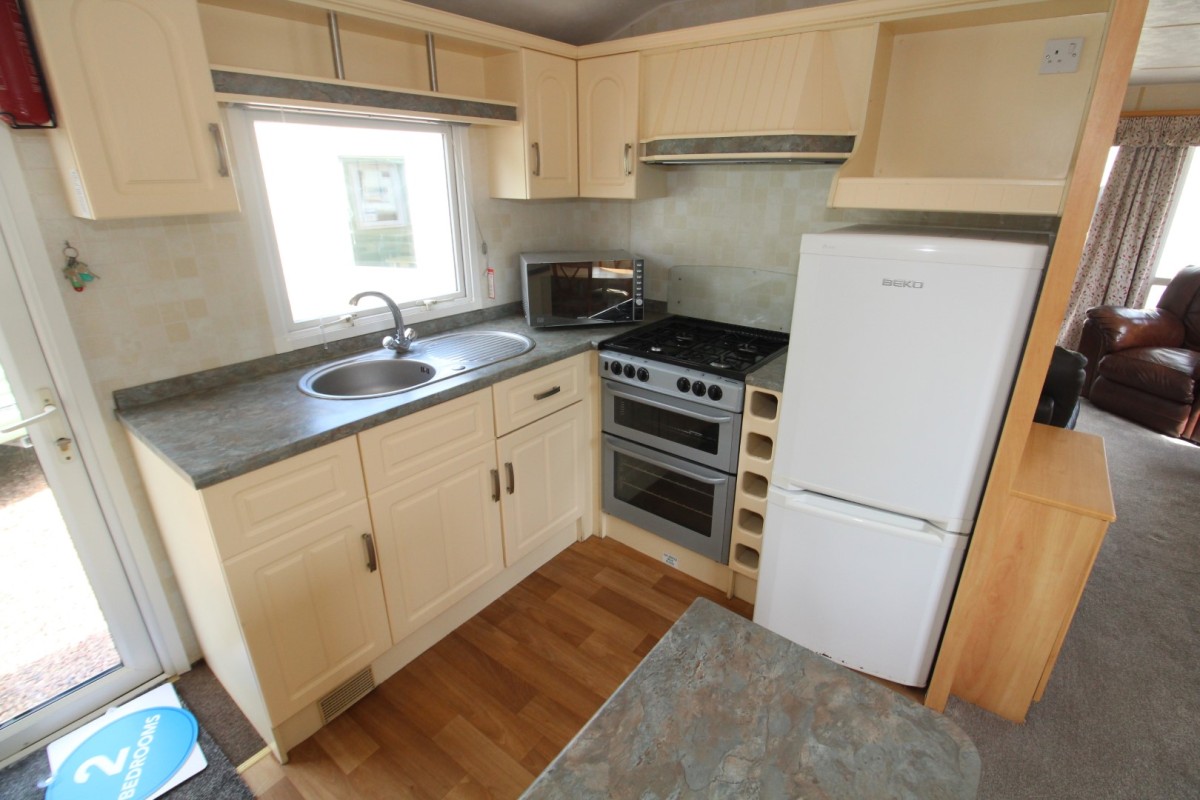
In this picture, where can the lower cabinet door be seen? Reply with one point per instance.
(439, 537)
(545, 471)
(311, 607)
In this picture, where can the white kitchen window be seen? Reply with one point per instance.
(349, 204)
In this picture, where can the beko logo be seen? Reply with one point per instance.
(899, 284)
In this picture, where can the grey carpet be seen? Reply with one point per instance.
(1121, 714)
(214, 710)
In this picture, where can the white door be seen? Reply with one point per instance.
(863, 587)
(73, 636)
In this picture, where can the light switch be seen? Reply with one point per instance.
(1062, 55)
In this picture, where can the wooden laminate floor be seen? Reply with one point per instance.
(484, 711)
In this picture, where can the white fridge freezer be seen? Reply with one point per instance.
(903, 349)
(864, 587)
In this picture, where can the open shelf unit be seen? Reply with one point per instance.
(760, 426)
(960, 118)
(270, 48)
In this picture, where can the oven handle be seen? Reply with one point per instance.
(671, 464)
(669, 407)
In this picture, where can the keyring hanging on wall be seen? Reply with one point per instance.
(76, 271)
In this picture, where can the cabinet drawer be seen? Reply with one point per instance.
(529, 397)
(411, 445)
(261, 505)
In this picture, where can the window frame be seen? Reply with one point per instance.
(289, 335)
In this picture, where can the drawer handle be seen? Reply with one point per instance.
(547, 393)
(496, 485)
(372, 564)
(512, 479)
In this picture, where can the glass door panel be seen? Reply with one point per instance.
(55, 635)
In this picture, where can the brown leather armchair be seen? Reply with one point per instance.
(1145, 365)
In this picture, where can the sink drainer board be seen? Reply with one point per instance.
(476, 348)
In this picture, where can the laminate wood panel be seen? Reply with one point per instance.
(485, 710)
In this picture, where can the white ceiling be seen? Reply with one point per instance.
(1169, 51)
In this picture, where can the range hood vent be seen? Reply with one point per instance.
(794, 98)
(776, 149)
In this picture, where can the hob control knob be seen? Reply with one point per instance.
(643, 374)
(630, 371)
(714, 393)
(684, 385)
(615, 366)
(698, 388)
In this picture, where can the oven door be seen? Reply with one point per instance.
(679, 427)
(685, 503)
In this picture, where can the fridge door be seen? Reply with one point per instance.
(863, 587)
(899, 371)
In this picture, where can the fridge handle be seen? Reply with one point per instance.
(882, 521)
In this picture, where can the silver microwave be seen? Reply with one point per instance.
(596, 287)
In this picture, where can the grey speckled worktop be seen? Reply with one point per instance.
(724, 708)
(213, 434)
(770, 375)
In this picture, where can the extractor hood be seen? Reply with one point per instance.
(761, 149)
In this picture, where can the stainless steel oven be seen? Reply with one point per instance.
(705, 435)
(684, 502)
(672, 422)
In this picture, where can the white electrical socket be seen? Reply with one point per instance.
(1062, 55)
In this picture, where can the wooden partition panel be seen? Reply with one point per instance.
(972, 601)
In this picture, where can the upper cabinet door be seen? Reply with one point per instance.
(608, 126)
(140, 132)
(550, 125)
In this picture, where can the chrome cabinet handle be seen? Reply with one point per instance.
(547, 393)
(512, 481)
(537, 160)
(372, 564)
(47, 410)
(627, 162)
(496, 486)
(222, 161)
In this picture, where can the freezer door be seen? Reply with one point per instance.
(863, 587)
(898, 378)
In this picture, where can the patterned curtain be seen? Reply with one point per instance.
(1122, 243)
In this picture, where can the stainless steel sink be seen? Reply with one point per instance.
(381, 373)
(373, 377)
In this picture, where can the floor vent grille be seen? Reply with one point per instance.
(347, 694)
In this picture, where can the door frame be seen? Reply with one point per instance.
(93, 428)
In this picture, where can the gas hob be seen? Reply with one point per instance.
(694, 359)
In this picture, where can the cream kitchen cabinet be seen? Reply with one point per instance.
(313, 578)
(537, 158)
(310, 605)
(277, 570)
(139, 134)
(608, 130)
(543, 419)
(546, 478)
(434, 490)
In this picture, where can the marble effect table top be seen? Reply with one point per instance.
(724, 708)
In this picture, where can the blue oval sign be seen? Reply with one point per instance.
(129, 758)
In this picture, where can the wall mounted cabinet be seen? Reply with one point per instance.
(538, 158)
(139, 131)
(609, 95)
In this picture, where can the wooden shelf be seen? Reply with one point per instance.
(960, 119)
